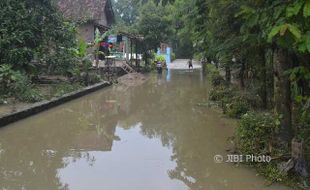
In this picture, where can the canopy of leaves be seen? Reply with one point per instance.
(34, 30)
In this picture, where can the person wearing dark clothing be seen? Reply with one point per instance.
(102, 51)
(190, 64)
(159, 67)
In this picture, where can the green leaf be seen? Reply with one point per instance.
(283, 29)
(293, 10)
(304, 44)
(307, 8)
(274, 31)
(307, 40)
(245, 12)
(295, 31)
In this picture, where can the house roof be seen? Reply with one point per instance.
(84, 10)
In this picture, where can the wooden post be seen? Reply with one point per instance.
(136, 53)
(146, 58)
(130, 50)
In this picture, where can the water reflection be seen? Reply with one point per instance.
(148, 137)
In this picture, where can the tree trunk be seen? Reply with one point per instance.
(282, 94)
(227, 73)
(242, 70)
(136, 42)
(263, 77)
(271, 83)
(130, 62)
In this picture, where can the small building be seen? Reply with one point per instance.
(90, 14)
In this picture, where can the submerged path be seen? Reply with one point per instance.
(147, 137)
(183, 64)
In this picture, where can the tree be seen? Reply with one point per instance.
(34, 30)
(153, 24)
(126, 11)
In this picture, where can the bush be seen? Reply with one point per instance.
(217, 80)
(272, 173)
(64, 88)
(29, 94)
(160, 58)
(211, 69)
(16, 84)
(35, 30)
(93, 78)
(220, 93)
(236, 108)
(214, 75)
(255, 132)
(173, 57)
(240, 103)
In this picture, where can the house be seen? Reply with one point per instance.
(90, 14)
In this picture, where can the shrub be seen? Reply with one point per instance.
(217, 80)
(16, 84)
(240, 103)
(173, 57)
(272, 173)
(221, 93)
(211, 68)
(35, 30)
(64, 88)
(7, 77)
(255, 132)
(29, 94)
(160, 58)
(93, 78)
(214, 75)
(236, 108)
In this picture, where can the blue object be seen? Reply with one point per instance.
(168, 56)
(158, 51)
(168, 77)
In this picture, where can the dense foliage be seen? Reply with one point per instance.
(34, 40)
(34, 34)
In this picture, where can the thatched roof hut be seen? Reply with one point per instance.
(86, 10)
(91, 13)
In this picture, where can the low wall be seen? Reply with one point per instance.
(44, 105)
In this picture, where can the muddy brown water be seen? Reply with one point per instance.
(148, 137)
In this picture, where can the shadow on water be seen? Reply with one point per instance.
(152, 136)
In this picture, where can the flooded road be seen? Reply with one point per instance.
(149, 137)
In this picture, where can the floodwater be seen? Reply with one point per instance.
(148, 137)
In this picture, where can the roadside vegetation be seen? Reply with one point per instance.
(41, 54)
(257, 133)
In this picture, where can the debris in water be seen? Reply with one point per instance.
(132, 79)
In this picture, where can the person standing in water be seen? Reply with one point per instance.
(190, 64)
